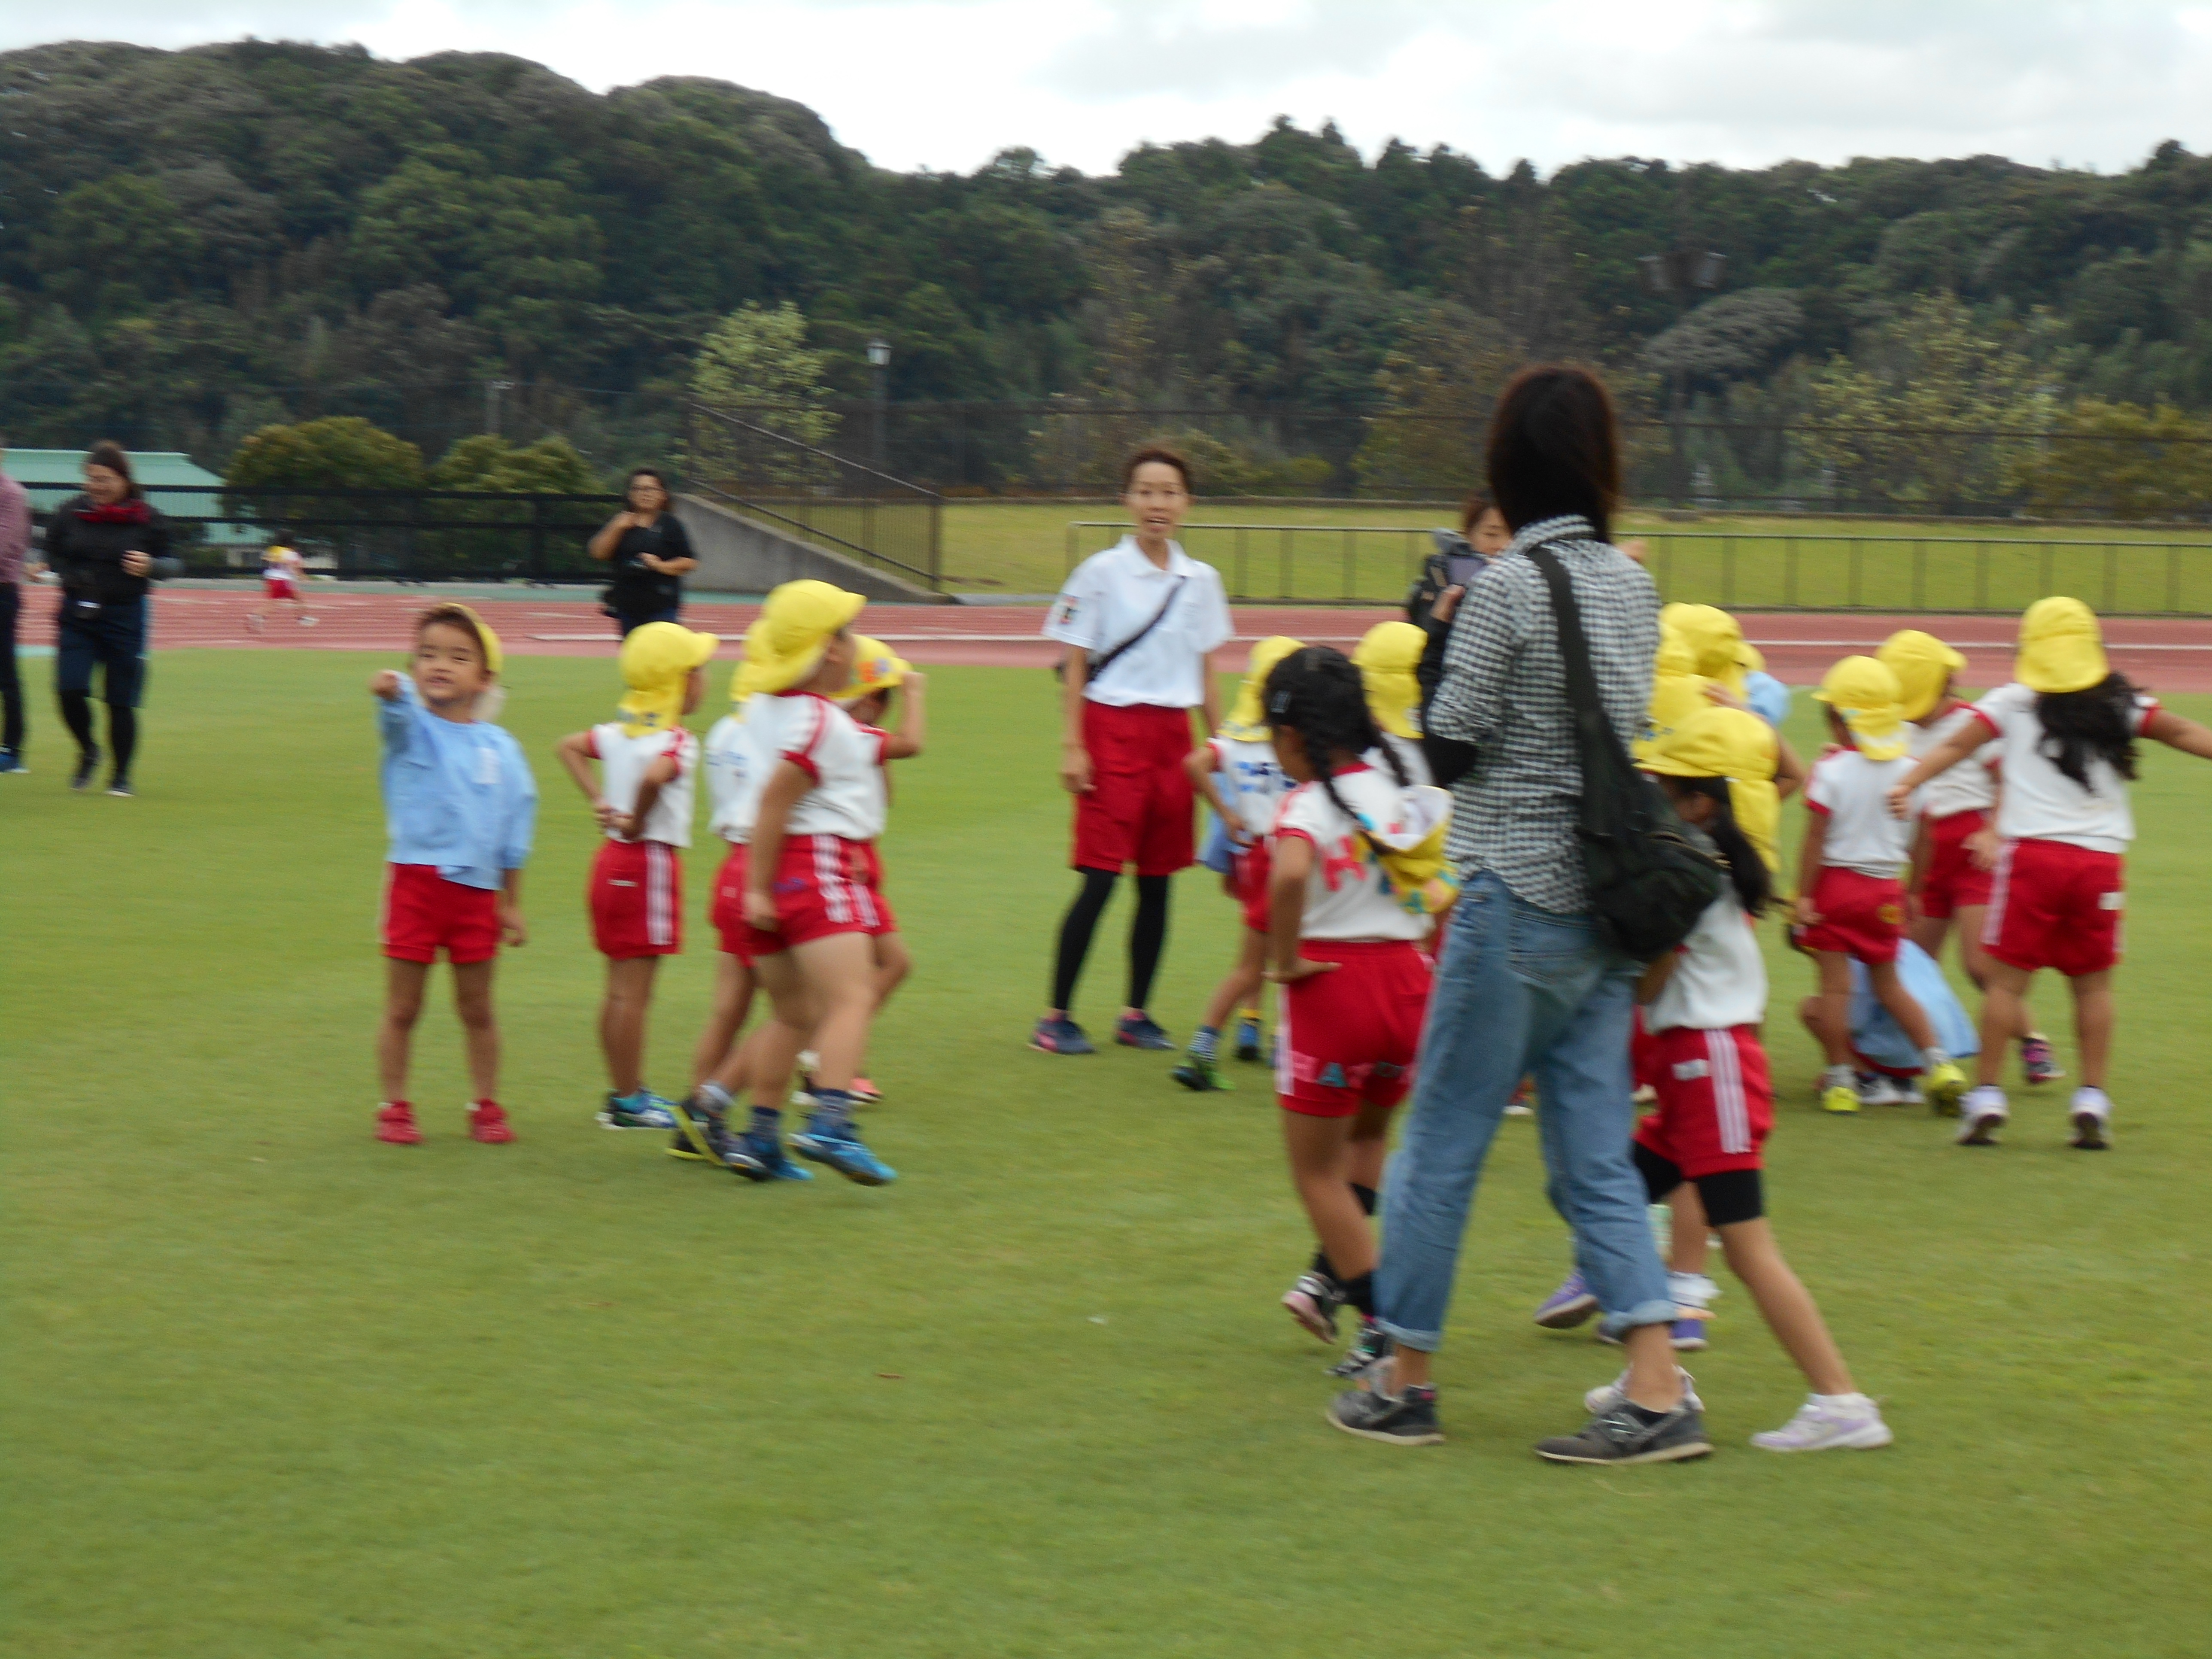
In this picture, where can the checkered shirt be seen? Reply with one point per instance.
(1504, 689)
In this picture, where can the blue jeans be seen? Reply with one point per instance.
(1519, 990)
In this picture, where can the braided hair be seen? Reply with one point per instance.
(1318, 692)
(2095, 723)
(1754, 887)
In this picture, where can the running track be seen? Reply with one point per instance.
(2166, 653)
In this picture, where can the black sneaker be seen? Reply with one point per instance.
(1141, 1031)
(1629, 1434)
(87, 762)
(120, 786)
(1402, 1419)
(1368, 1345)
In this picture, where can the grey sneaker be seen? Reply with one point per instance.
(1629, 1434)
(1401, 1419)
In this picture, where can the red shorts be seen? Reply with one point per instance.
(424, 912)
(823, 885)
(1953, 882)
(278, 588)
(1139, 808)
(1861, 915)
(636, 895)
(726, 910)
(1715, 1105)
(1250, 870)
(1347, 1039)
(2055, 905)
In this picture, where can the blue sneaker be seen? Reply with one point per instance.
(1059, 1036)
(12, 761)
(1141, 1031)
(1568, 1306)
(826, 1140)
(766, 1159)
(1248, 1041)
(1689, 1336)
(642, 1110)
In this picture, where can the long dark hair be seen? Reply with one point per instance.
(1317, 693)
(1747, 871)
(1555, 449)
(109, 454)
(2096, 723)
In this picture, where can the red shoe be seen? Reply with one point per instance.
(489, 1124)
(865, 1091)
(395, 1122)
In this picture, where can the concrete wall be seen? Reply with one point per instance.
(739, 555)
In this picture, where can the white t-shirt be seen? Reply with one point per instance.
(1347, 894)
(2041, 803)
(1719, 977)
(735, 777)
(1969, 786)
(1112, 594)
(281, 564)
(623, 762)
(844, 759)
(1251, 780)
(1854, 792)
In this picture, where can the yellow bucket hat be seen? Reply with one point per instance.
(1752, 659)
(1923, 665)
(1247, 721)
(1728, 742)
(1677, 692)
(656, 660)
(2061, 647)
(1716, 642)
(1385, 657)
(876, 667)
(1865, 693)
(495, 657)
(785, 643)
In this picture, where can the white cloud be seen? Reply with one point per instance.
(945, 83)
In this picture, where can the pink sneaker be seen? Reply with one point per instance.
(2036, 1063)
(489, 1124)
(865, 1091)
(395, 1122)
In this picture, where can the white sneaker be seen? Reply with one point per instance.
(1981, 1114)
(1880, 1089)
(1603, 1398)
(1827, 1422)
(2093, 1120)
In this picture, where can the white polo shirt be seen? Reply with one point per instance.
(1852, 793)
(2041, 803)
(843, 758)
(1112, 594)
(624, 761)
(1969, 786)
(1719, 979)
(736, 775)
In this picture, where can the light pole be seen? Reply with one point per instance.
(492, 389)
(880, 359)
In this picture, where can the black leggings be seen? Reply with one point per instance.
(1148, 935)
(1729, 1197)
(122, 728)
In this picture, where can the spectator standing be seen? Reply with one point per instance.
(650, 552)
(15, 548)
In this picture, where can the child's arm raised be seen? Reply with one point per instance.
(384, 685)
(1293, 858)
(786, 785)
(1969, 736)
(913, 720)
(576, 753)
(2175, 732)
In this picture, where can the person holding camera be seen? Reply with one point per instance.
(107, 546)
(650, 552)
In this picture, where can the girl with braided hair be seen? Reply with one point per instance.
(1354, 860)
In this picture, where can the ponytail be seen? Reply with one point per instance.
(1747, 870)
(2097, 723)
(1318, 692)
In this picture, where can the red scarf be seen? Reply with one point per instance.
(128, 510)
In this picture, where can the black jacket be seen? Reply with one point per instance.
(635, 590)
(87, 551)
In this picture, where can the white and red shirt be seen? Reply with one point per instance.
(1111, 595)
(1719, 980)
(842, 757)
(1852, 793)
(1252, 781)
(623, 762)
(1348, 896)
(2041, 803)
(1969, 786)
(736, 775)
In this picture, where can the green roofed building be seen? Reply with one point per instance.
(50, 477)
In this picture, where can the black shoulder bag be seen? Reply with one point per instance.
(1096, 665)
(1649, 882)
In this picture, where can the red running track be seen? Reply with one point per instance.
(2167, 654)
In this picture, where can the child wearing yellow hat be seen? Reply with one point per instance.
(880, 675)
(2068, 726)
(1237, 774)
(1850, 903)
(462, 808)
(641, 798)
(1388, 658)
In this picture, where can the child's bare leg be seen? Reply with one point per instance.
(395, 1032)
(1828, 1012)
(2093, 1025)
(1786, 1305)
(622, 1020)
(893, 965)
(1902, 1005)
(1977, 962)
(2003, 1006)
(768, 1055)
(1243, 982)
(1691, 1245)
(1317, 1148)
(839, 972)
(479, 1031)
(733, 1000)
(1929, 933)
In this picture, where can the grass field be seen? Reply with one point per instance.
(1753, 562)
(277, 1390)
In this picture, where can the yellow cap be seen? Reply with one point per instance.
(2061, 647)
(1247, 721)
(1715, 639)
(1752, 659)
(493, 657)
(876, 667)
(1677, 693)
(656, 660)
(1923, 664)
(1385, 657)
(785, 643)
(1714, 742)
(1865, 693)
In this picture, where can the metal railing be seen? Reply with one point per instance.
(1372, 564)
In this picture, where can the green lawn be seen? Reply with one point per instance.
(1372, 553)
(277, 1390)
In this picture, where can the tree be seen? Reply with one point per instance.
(2122, 461)
(551, 466)
(755, 365)
(342, 452)
(1436, 390)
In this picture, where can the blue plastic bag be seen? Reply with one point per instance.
(1217, 853)
(1879, 1039)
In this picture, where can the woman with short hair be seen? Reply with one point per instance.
(650, 552)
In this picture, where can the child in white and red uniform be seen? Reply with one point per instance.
(649, 764)
(283, 570)
(1851, 904)
(2068, 725)
(878, 675)
(1349, 859)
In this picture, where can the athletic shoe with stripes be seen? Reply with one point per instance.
(1829, 1423)
(2036, 1063)
(1981, 1114)
(837, 1143)
(1568, 1306)
(642, 1110)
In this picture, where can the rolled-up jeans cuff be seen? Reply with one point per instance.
(1659, 1312)
(1426, 1341)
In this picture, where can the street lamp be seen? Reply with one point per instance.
(880, 359)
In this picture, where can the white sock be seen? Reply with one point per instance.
(1849, 1400)
(1931, 1058)
(715, 1095)
(1662, 1229)
(1841, 1074)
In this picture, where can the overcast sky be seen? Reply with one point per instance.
(946, 83)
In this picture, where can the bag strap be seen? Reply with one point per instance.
(1574, 644)
(1100, 664)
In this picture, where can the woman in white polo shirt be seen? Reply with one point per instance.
(1140, 621)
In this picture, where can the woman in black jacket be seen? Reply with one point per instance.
(650, 554)
(107, 546)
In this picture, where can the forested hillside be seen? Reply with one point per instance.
(195, 244)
